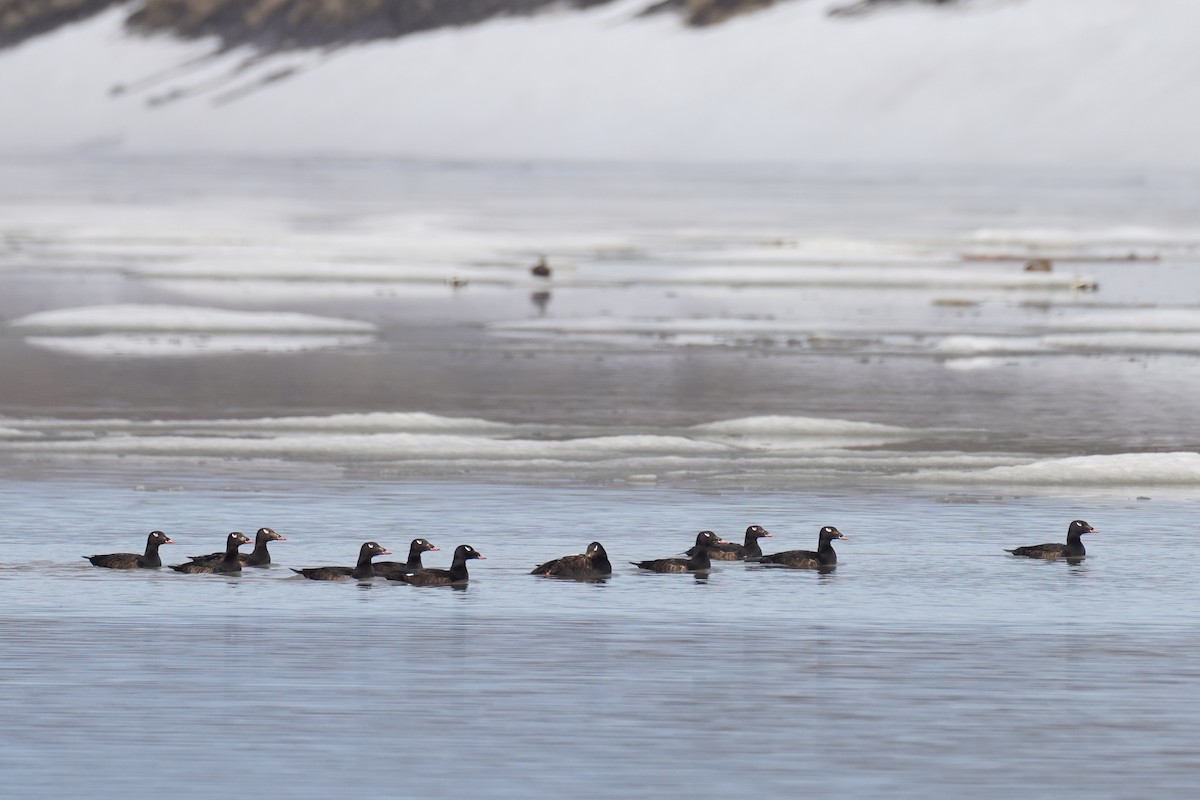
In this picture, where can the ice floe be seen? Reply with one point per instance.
(1123, 469)
(166, 330)
(789, 426)
(413, 436)
(168, 318)
(770, 450)
(190, 344)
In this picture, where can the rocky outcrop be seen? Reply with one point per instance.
(700, 13)
(274, 25)
(292, 24)
(865, 6)
(24, 19)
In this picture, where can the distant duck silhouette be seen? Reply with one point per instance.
(589, 565)
(1040, 265)
(732, 551)
(147, 560)
(387, 569)
(362, 571)
(1072, 549)
(699, 561)
(823, 557)
(457, 574)
(229, 563)
(258, 557)
(541, 269)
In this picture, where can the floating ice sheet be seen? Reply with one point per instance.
(1121, 469)
(1162, 320)
(790, 427)
(775, 450)
(164, 331)
(189, 344)
(167, 318)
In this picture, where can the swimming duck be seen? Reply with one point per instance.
(824, 556)
(732, 551)
(148, 560)
(1072, 549)
(387, 569)
(699, 561)
(229, 563)
(457, 574)
(364, 570)
(589, 565)
(258, 557)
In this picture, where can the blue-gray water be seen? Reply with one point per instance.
(929, 663)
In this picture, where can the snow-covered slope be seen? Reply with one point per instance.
(1102, 82)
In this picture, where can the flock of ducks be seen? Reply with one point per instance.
(592, 564)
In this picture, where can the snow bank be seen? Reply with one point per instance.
(1107, 82)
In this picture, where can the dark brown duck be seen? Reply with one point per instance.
(228, 563)
(1072, 549)
(258, 557)
(589, 565)
(363, 571)
(699, 562)
(147, 560)
(457, 574)
(732, 551)
(824, 556)
(387, 569)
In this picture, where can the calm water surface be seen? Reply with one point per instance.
(928, 660)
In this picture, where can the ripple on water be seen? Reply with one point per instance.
(928, 659)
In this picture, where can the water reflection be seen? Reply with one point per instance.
(540, 300)
(599, 580)
(823, 570)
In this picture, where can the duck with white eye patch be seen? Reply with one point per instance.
(387, 569)
(732, 551)
(148, 560)
(362, 571)
(258, 557)
(229, 563)
(824, 557)
(455, 576)
(1049, 552)
(593, 564)
(699, 562)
